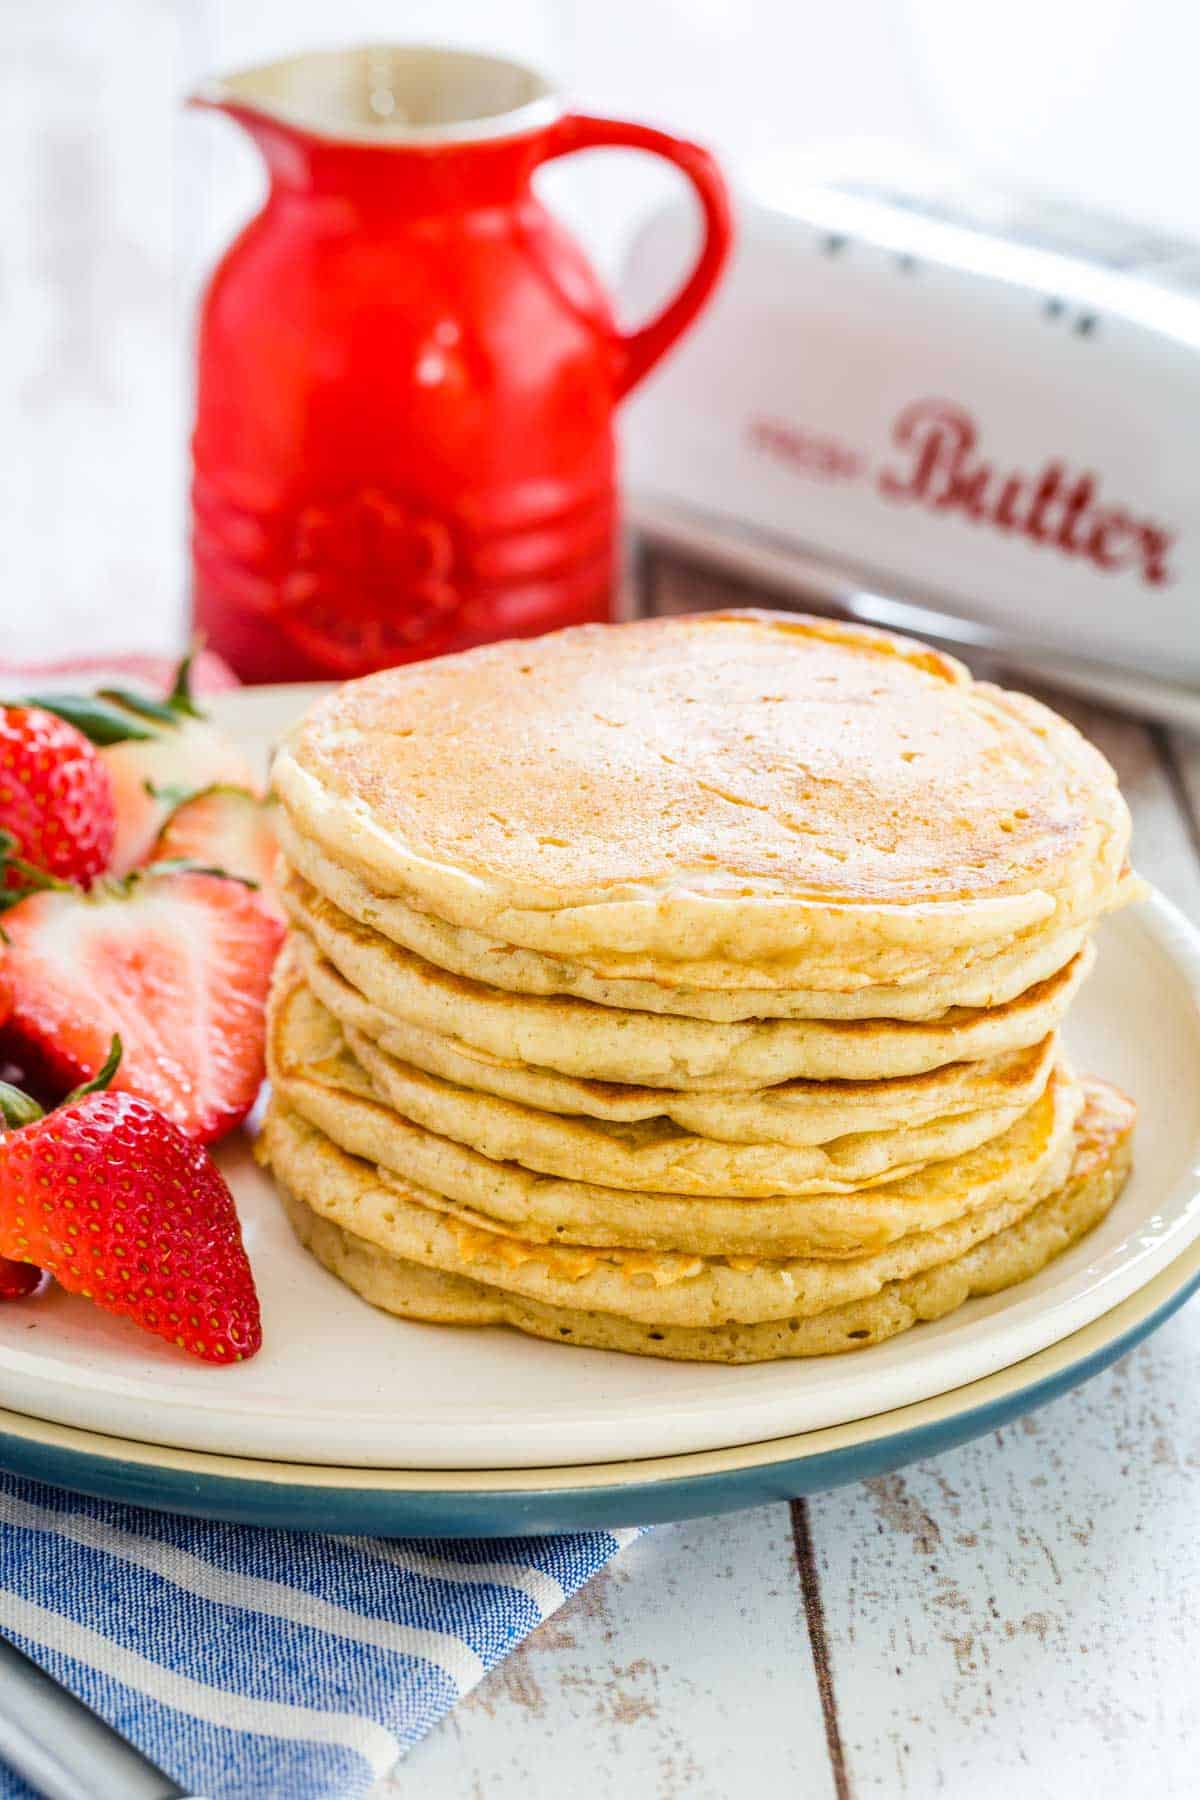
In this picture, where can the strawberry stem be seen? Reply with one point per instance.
(99, 721)
(116, 715)
(158, 711)
(18, 1108)
(180, 697)
(187, 865)
(101, 1079)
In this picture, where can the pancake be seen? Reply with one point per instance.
(576, 1037)
(735, 787)
(656, 1154)
(797, 1113)
(421, 1294)
(306, 1039)
(329, 1196)
(971, 980)
(653, 1286)
(504, 1197)
(320, 1079)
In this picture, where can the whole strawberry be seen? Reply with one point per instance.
(57, 809)
(155, 751)
(117, 1205)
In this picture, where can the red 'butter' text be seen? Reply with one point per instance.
(944, 471)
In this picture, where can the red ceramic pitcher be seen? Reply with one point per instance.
(408, 370)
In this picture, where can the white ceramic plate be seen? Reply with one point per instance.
(339, 1383)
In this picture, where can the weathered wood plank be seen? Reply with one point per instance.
(681, 1669)
(1018, 1616)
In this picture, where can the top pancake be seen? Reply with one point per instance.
(738, 785)
(972, 978)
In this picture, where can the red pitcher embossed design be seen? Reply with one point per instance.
(408, 371)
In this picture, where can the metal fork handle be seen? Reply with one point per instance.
(62, 1748)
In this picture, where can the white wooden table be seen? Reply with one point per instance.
(1016, 1619)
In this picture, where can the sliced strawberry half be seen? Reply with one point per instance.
(177, 963)
(226, 828)
(147, 775)
(153, 750)
(114, 1202)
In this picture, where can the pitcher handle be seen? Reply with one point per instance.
(638, 351)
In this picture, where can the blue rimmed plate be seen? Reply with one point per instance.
(410, 1428)
(497, 1502)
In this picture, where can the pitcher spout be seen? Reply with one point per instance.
(386, 95)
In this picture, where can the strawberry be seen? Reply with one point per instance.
(153, 750)
(57, 808)
(177, 961)
(17, 1279)
(227, 828)
(113, 1201)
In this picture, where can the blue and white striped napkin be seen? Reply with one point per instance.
(251, 1664)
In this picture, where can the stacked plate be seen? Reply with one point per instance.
(690, 987)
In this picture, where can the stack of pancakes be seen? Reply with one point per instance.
(690, 987)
